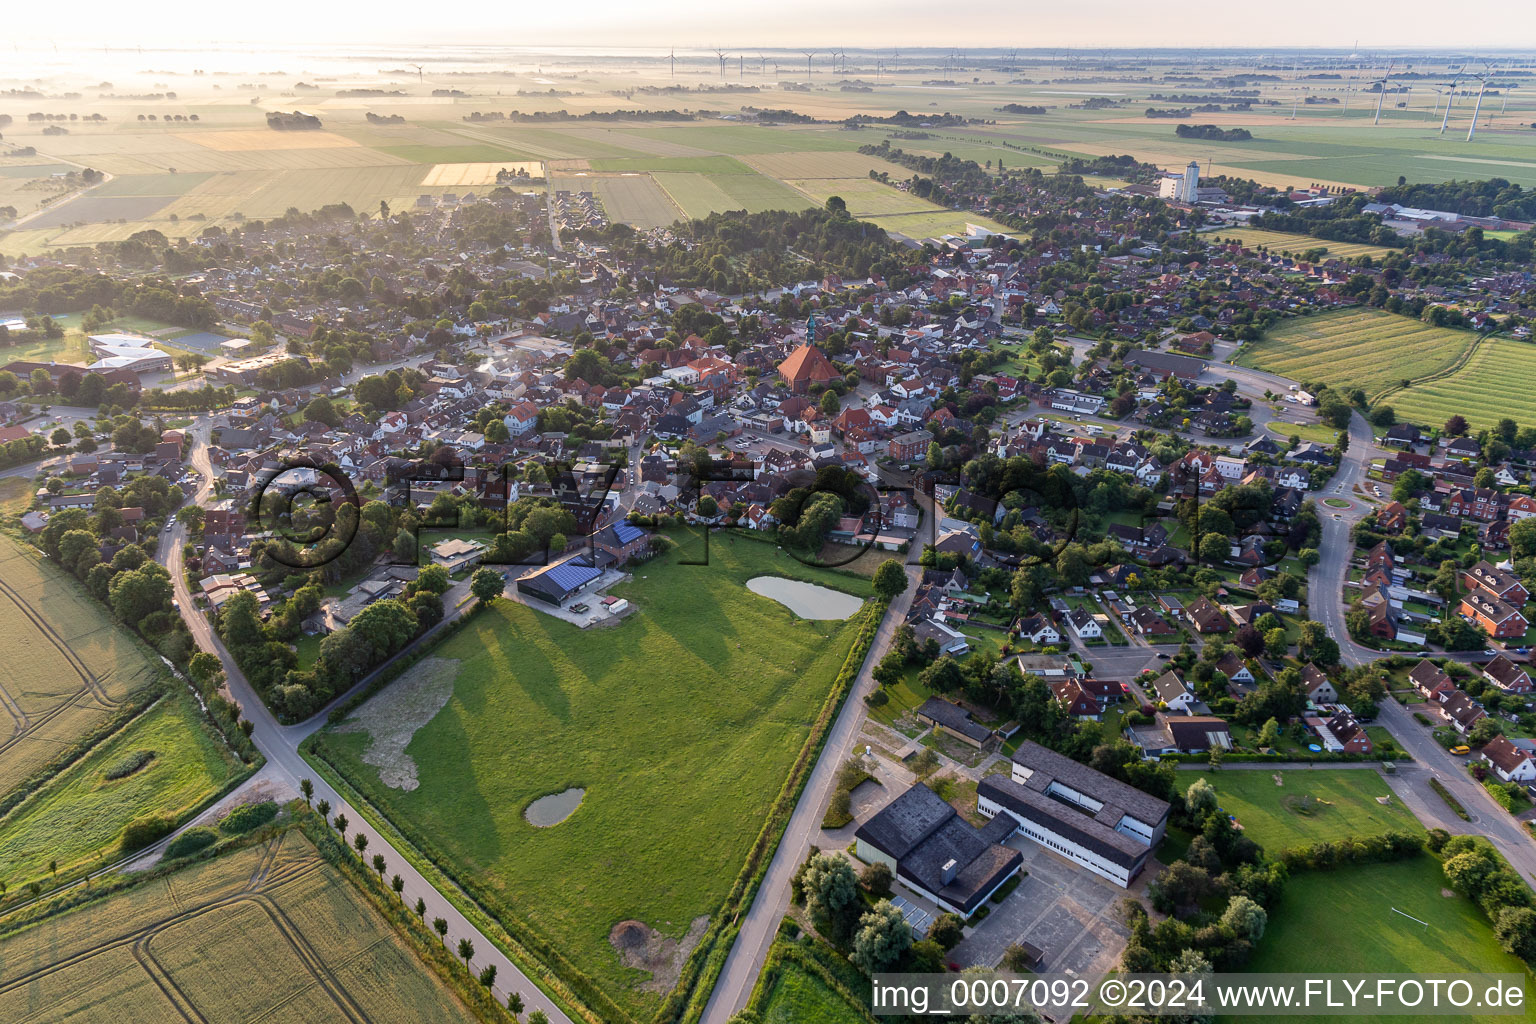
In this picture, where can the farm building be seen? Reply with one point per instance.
(558, 583)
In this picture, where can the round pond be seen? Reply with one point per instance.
(554, 808)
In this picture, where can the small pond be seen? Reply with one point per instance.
(554, 808)
(806, 600)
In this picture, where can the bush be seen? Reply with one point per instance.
(151, 828)
(190, 842)
(129, 764)
(247, 817)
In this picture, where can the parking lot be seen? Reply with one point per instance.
(1066, 911)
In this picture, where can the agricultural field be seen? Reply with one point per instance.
(76, 818)
(1308, 931)
(163, 949)
(1307, 807)
(1282, 243)
(680, 723)
(629, 197)
(1494, 383)
(1364, 348)
(699, 195)
(65, 667)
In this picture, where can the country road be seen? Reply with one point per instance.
(285, 767)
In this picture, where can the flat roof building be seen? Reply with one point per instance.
(937, 853)
(1099, 822)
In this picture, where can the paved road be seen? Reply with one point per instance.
(1326, 587)
(279, 745)
(761, 923)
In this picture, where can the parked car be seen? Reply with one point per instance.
(1461, 748)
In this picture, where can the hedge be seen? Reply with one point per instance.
(1451, 801)
(191, 841)
(247, 817)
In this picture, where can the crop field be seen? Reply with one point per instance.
(699, 195)
(1308, 806)
(1494, 383)
(1281, 242)
(631, 198)
(473, 153)
(1365, 348)
(164, 949)
(460, 175)
(680, 723)
(75, 819)
(64, 666)
(1308, 931)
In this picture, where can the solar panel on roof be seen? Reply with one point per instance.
(573, 574)
(627, 532)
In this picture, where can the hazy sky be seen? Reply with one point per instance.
(748, 23)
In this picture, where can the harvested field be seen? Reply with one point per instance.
(461, 175)
(238, 141)
(699, 195)
(162, 950)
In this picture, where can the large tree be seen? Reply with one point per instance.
(882, 940)
(890, 579)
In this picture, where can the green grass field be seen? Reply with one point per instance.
(1496, 382)
(680, 722)
(75, 819)
(1344, 802)
(799, 996)
(1281, 242)
(1364, 348)
(1343, 921)
(631, 198)
(168, 948)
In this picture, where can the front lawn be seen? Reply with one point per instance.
(1312, 805)
(1352, 920)
(680, 722)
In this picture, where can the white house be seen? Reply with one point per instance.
(1510, 760)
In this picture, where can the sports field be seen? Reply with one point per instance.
(1306, 807)
(1282, 243)
(76, 818)
(166, 950)
(1349, 348)
(680, 723)
(1494, 383)
(1352, 920)
(64, 666)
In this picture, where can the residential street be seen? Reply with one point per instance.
(1327, 603)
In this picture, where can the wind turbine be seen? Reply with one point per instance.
(419, 73)
(1449, 99)
(672, 60)
(1382, 93)
(763, 70)
(721, 55)
(1482, 88)
(808, 55)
